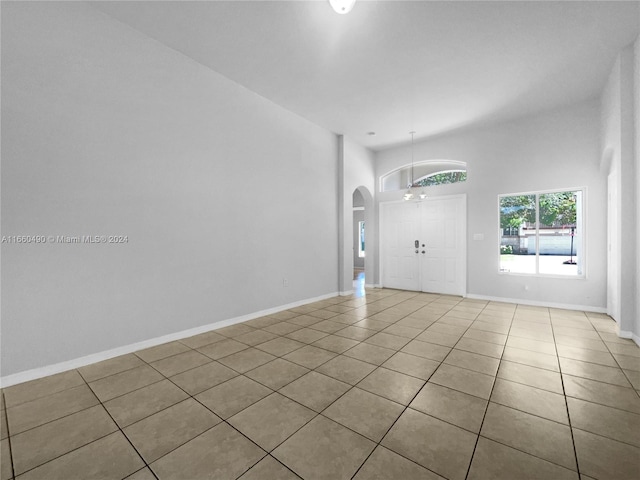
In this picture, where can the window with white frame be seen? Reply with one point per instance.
(542, 233)
(360, 239)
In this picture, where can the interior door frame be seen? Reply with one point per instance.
(463, 227)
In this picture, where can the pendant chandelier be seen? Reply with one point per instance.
(409, 193)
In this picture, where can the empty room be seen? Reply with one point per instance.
(324, 239)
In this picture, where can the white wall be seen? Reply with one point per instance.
(553, 150)
(105, 131)
(619, 133)
(356, 166)
(636, 76)
(358, 216)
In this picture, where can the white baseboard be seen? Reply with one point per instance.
(347, 293)
(372, 285)
(47, 370)
(521, 301)
(628, 334)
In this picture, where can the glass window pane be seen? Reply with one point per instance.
(518, 234)
(560, 233)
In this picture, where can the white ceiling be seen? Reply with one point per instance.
(392, 66)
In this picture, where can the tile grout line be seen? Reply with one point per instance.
(566, 404)
(406, 407)
(484, 416)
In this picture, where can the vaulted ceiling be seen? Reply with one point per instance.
(392, 66)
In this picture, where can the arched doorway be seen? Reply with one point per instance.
(363, 246)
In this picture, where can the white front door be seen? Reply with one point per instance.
(443, 222)
(438, 263)
(400, 229)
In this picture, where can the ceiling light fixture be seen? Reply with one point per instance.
(409, 194)
(342, 6)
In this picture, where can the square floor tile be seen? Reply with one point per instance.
(537, 436)
(6, 470)
(282, 328)
(162, 351)
(628, 362)
(482, 348)
(179, 363)
(438, 338)
(465, 411)
(328, 326)
(335, 344)
(144, 474)
(495, 461)
(164, 431)
(593, 371)
(307, 335)
(346, 369)
(532, 376)
(110, 457)
(51, 440)
(305, 320)
(483, 336)
(323, 449)
(412, 365)
(235, 330)
(232, 396)
(280, 346)
(269, 468)
(109, 367)
(202, 340)
(403, 331)
(490, 327)
(45, 409)
(387, 340)
(368, 414)
(624, 349)
(356, 333)
(220, 453)
(392, 385)
(473, 361)
(426, 350)
(247, 360)
(42, 387)
(315, 390)
(202, 378)
(222, 348)
(575, 341)
(255, 337)
(371, 324)
(603, 393)
(531, 400)
(439, 446)
(447, 329)
(463, 380)
(592, 356)
(146, 401)
(383, 464)
(115, 385)
(606, 421)
(370, 353)
(309, 356)
(276, 374)
(271, 420)
(533, 359)
(600, 457)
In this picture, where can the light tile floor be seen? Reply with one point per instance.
(390, 385)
